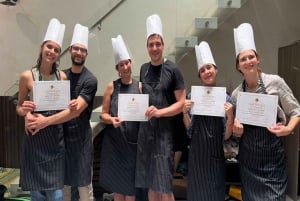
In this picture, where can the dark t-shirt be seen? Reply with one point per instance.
(78, 132)
(83, 84)
(168, 74)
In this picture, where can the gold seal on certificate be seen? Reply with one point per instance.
(257, 109)
(51, 95)
(132, 107)
(208, 101)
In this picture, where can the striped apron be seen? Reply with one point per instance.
(262, 163)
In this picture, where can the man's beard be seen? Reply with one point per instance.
(76, 63)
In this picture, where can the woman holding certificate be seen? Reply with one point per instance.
(42, 160)
(206, 164)
(262, 160)
(118, 157)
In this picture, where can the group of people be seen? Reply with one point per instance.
(140, 155)
(147, 160)
(57, 148)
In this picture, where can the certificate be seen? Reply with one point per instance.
(51, 95)
(257, 109)
(208, 100)
(132, 107)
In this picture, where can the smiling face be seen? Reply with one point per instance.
(50, 52)
(155, 46)
(78, 54)
(124, 69)
(207, 74)
(248, 62)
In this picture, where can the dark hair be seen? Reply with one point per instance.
(39, 60)
(199, 70)
(161, 38)
(237, 60)
(117, 65)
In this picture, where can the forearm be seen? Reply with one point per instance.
(106, 117)
(63, 116)
(294, 121)
(172, 110)
(186, 120)
(229, 128)
(176, 107)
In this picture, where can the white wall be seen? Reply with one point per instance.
(275, 24)
(21, 36)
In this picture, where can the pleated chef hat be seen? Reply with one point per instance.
(203, 55)
(243, 38)
(80, 35)
(119, 49)
(55, 32)
(154, 25)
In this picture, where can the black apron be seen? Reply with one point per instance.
(78, 137)
(43, 156)
(206, 164)
(155, 154)
(118, 154)
(262, 162)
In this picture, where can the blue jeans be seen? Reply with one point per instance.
(50, 195)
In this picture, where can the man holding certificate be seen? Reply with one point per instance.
(207, 126)
(118, 155)
(43, 154)
(163, 81)
(263, 166)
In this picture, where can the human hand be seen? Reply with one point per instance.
(35, 122)
(238, 128)
(187, 106)
(228, 110)
(116, 121)
(73, 104)
(29, 117)
(152, 111)
(28, 106)
(280, 130)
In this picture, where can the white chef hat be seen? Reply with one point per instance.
(119, 49)
(243, 38)
(80, 35)
(203, 55)
(55, 32)
(154, 25)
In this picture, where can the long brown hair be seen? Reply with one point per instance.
(55, 65)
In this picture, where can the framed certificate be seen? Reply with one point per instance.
(208, 100)
(51, 95)
(257, 109)
(132, 107)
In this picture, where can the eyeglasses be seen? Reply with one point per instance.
(81, 49)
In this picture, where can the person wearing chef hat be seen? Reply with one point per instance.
(42, 158)
(77, 129)
(117, 169)
(262, 161)
(207, 137)
(78, 132)
(163, 81)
